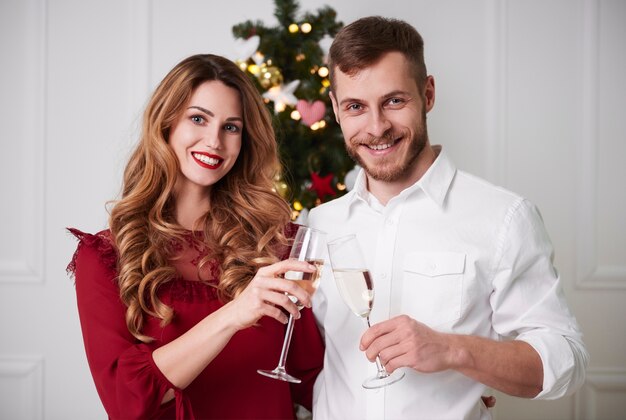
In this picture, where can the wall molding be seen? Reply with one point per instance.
(589, 274)
(25, 375)
(600, 380)
(496, 80)
(29, 266)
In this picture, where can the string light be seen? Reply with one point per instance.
(254, 69)
(323, 71)
(306, 27)
(341, 186)
(293, 28)
(295, 115)
(297, 205)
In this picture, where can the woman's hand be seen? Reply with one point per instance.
(266, 295)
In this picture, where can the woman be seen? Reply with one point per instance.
(182, 299)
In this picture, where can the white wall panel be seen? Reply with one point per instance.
(604, 395)
(601, 199)
(21, 388)
(22, 118)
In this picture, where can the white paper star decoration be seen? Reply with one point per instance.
(324, 44)
(282, 95)
(244, 48)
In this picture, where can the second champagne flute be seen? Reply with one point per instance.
(356, 288)
(309, 245)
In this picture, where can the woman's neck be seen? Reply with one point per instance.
(191, 205)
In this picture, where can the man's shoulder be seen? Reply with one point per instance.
(331, 210)
(335, 204)
(480, 188)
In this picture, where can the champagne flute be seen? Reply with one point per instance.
(309, 245)
(356, 288)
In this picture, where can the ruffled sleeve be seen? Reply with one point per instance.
(128, 381)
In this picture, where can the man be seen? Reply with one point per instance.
(466, 296)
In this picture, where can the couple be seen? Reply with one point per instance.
(181, 300)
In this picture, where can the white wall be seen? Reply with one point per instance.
(530, 94)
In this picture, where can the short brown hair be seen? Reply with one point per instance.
(364, 41)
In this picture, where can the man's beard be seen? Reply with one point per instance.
(390, 169)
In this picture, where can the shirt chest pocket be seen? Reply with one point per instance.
(432, 287)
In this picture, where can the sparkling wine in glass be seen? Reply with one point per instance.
(309, 245)
(356, 288)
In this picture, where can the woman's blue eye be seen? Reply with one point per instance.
(232, 128)
(197, 119)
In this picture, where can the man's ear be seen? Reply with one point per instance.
(335, 107)
(429, 93)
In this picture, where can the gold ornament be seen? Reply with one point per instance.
(272, 76)
(280, 186)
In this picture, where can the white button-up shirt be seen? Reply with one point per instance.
(461, 256)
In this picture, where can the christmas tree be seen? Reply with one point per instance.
(288, 65)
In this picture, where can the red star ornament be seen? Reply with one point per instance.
(321, 185)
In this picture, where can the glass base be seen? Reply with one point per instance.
(279, 373)
(382, 380)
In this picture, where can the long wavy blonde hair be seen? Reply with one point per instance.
(245, 223)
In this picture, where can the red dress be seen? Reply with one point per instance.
(130, 384)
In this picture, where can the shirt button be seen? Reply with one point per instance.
(383, 275)
(389, 222)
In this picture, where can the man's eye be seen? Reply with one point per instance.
(354, 107)
(395, 101)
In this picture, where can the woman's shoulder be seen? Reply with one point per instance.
(100, 244)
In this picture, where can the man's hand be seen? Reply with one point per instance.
(404, 342)
(512, 367)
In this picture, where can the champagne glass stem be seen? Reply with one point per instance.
(382, 372)
(286, 343)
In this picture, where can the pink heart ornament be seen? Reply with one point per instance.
(311, 112)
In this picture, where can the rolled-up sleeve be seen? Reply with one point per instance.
(529, 304)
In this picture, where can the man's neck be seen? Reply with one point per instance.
(386, 190)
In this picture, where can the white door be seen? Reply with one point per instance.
(530, 95)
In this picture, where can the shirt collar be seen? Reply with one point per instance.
(437, 180)
(435, 183)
